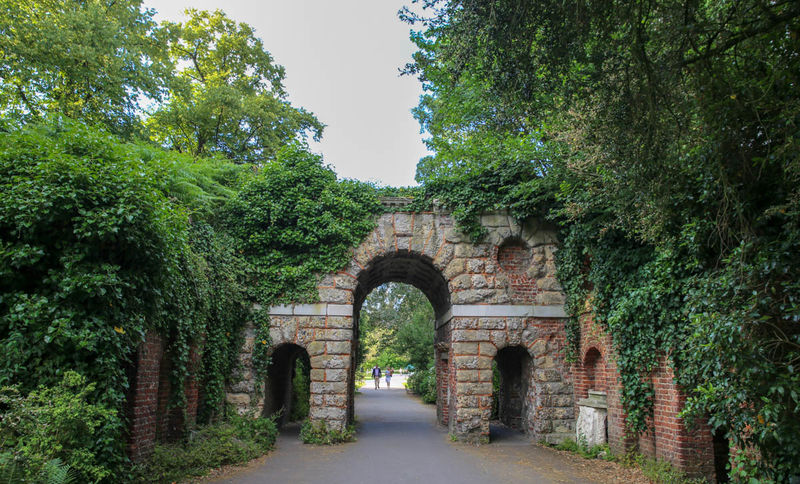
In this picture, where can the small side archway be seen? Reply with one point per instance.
(287, 384)
(514, 368)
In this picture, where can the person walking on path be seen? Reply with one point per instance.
(376, 374)
(389, 373)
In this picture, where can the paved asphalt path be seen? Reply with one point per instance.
(399, 442)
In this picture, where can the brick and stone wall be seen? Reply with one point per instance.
(143, 400)
(499, 293)
(667, 439)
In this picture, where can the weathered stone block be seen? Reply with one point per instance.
(344, 281)
(328, 387)
(498, 338)
(315, 348)
(489, 349)
(466, 362)
(469, 335)
(335, 400)
(317, 375)
(538, 348)
(474, 388)
(336, 375)
(304, 336)
(330, 361)
(492, 323)
(338, 347)
(454, 235)
(340, 322)
(403, 223)
(465, 348)
(336, 296)
(464, 250)
(327, 413)
(476, 266)
(244, 386)
(467, 401)
(548, 284)
(335, 334)
(494, 220)
(443, 256)
(403, 243)
(464, 323)
(467, 376)
(479, 281)
(461, 282)
(454, 268)
(473, 296)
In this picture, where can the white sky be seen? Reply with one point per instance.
(341, 59)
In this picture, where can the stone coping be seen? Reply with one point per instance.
(595, 400)
(319, 309)
(507, 311)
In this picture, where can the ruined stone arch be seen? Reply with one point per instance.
(477, 308)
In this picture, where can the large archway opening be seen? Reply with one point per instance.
(391, 276)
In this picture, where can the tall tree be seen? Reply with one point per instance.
(228, 97)
(93, 60)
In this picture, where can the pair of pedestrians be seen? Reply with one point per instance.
(376, 374)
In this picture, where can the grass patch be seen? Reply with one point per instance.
(238, 440)
(661, 472)
(658, 472)
(585, 451)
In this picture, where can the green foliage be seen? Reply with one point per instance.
(294, 221)
(318, 433)
(301, 390)
(225, 297)
(93, 255)
(396, 328)
(423, 383)
(238, 440)
(91, 60)
(228, 97)
(582, 449)
(49, 435)
(95, 251)
(662, 472)
(663, 138)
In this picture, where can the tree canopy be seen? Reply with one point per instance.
(92, 60)
(227, 97)
(662, 136)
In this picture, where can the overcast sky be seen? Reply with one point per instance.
(341, 59)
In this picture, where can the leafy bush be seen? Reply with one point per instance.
(50, 433)
(318, 433)
(423, 383)
(233, 442)
(95, 252)
(295, 220)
